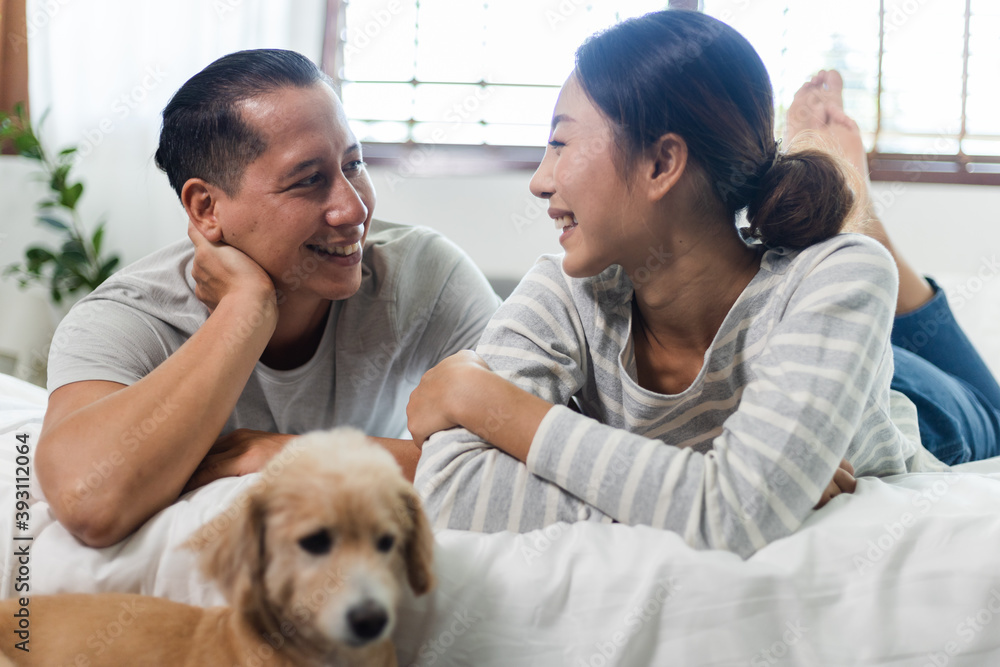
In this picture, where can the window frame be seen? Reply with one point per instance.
(451, 159)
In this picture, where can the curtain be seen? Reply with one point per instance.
(103, 70)
(13, 56)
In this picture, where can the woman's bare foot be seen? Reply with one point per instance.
(817, 114)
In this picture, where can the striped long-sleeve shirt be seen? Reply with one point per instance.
(796, 379)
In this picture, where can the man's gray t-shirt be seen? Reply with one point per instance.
(421, 299)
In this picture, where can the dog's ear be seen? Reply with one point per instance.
(230, 547)
(419, 550)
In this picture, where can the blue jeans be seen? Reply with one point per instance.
(957, 398)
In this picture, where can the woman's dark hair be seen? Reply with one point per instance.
(204, 134)
(687, 73)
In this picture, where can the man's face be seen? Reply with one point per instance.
(304, 206)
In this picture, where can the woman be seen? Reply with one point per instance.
(763, 365)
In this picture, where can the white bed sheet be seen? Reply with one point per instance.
(906, 571)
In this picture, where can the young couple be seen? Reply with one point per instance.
(721, 391)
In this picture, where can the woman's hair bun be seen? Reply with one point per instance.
(804, 198)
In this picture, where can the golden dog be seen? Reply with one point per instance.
(312, 560)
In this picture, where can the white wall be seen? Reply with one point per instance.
(941, 228)
(950, 231)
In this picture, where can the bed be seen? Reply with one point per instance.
(906, 571)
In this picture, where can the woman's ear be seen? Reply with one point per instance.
(667, 162)
(201, 200)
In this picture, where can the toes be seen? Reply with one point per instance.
(834, 81)
(837, 115)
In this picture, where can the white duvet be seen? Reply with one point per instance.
(906, 571)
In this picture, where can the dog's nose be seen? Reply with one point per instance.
(367, 619)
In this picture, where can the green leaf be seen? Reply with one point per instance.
(68, 151)
(37, 258)
(39, 253)
(27, 145)
(67, 277)
(58, 180)
(73, 246)
(108, 268)
(95, 241)
(70, 196)
(54, 223)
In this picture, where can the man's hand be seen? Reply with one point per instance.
(843, 482)
(240, 453)
(220, 269)
(434, 404)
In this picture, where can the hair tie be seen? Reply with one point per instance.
(768, 163)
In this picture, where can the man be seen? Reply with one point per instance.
(289, 309)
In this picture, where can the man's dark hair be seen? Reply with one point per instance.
(204, 134)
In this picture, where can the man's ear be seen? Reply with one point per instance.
(667, 162)
(201, 201)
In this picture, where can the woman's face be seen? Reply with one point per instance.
(588, 199)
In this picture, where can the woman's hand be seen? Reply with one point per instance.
(236, 454)
(437, 403)
(843, 482)
(220, 269)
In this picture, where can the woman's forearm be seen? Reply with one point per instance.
(502, 414)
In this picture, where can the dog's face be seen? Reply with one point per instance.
(325, 544)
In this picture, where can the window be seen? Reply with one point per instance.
(482, 77)
(920, 76)
(461, 74)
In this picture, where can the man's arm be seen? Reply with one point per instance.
(88, 425)
(245, 451)
(101, 480)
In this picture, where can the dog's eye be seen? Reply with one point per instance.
(318, 542)
(385, 543)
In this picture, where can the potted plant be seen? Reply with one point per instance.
(77, 266)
